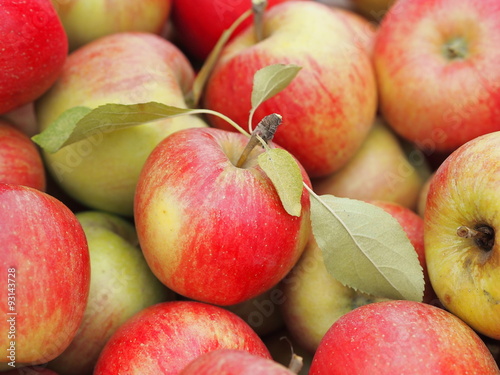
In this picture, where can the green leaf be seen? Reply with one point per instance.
(366, 248)
(78, 123)
(269, 81)
(59, 131)
(284, 172)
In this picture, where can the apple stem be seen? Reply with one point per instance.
(263, 133)
(296, 363)
(484, 235)
(258, 8)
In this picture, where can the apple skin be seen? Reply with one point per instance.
(209, 230)
(402, 337)
(121, 285)
(234, 362)
(20, 160)
(439, 41)
(381, 170)
(87, 20)
(43, 240)
(199, 24)
(28, 64)
(363, 31)
(463, 272)
(164, 338)
(329, 106)
(101, 172)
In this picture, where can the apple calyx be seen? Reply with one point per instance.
(483, 235)
(263, 134)
(456, 49)
(258, 8)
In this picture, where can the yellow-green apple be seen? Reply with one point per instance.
(34, 48)
(373, 10)
(20, 160)
(164, 338)
(212, 231)
(87, 20)
(446, 42)
(198, 24)
(101, 171)
(121, 285)
(313, 299)
(381, 169)
(329, 106)
(46, 266)
(234, 362)
(461, 223)
(402, 337)
(262, 313)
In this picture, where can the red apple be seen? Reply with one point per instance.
(212, 231)
(46, 266)
(164, 338)
(402, 337)
(20, 160)
(234, 362)
(198, 24)
(439, 78)
(330, 105)
(34, 49)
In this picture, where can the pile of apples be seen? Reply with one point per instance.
(141, 234)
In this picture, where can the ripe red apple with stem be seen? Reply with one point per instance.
(20, 160)
(29, 64)
(211, 229)
(46, 266)
(402, 337)
(332, 100)
(164, 338)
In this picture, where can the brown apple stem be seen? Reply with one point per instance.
(264, 131)
(484, 236)
(258, 8)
